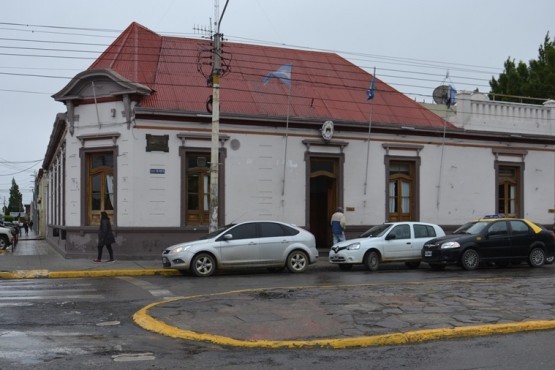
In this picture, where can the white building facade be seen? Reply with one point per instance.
(149, 168)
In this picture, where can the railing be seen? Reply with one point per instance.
(476, 112)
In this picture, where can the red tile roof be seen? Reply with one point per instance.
(324, 85)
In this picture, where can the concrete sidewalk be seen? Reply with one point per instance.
(35, 258)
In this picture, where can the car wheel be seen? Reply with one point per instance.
(549, 260)
(345, 266)
(536, 257)
(412, 264)
(297, 261)
(3, 242)
(372, 261)
(470, 260)
(203, 265)
(437, 267)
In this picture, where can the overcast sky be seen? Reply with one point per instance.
(412, 45)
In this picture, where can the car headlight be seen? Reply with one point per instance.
(353, 247)
(450, 245)
(181, 248)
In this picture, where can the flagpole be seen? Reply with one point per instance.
(283, 73)
(441, 163)
(448, 103)
(286, 139)
(369, 132)
(368, 146)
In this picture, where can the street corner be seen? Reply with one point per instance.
(295, 318)
(145, 320)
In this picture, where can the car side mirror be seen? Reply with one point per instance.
(228, 236)
(390, 237)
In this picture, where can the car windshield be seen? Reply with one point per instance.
(375, 231)
(472, 228)
(215, 233)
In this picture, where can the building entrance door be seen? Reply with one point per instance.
(323, 199)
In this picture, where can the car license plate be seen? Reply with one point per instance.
(427, 253)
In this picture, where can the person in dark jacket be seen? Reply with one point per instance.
(105, 237)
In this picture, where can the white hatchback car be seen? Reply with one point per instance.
(269, 244)
(389, 242)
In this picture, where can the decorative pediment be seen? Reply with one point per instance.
(100, 83)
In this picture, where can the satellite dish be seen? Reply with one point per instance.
(441, 94)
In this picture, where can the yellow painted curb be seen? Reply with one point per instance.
(146, 321)
(34, 274)
(109, 273)
(24, 274)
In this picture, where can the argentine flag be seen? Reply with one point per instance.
(283, 73)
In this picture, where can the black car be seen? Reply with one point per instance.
(498, 240)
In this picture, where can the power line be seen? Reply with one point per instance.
(258, 76)
(66, 57)
(2, 161)
(262, 69)
(18, 172)
(410, 61)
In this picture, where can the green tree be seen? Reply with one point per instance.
(533, 80)
(15, 203)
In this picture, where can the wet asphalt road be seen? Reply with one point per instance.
(93, 325)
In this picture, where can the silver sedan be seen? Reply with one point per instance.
(269, 244)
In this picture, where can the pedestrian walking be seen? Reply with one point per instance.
(338, 225)
(26, 227)
(105, 237)
(31, 225)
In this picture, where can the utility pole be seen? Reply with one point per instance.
(214, 152)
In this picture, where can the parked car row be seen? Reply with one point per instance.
(277, 245)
